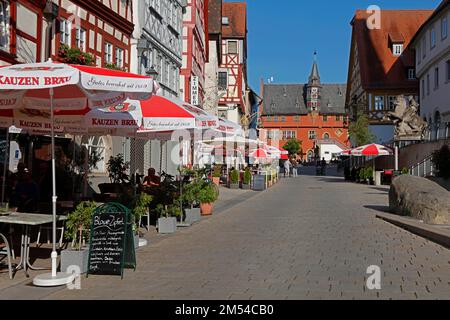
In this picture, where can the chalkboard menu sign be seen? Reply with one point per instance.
(111, 246)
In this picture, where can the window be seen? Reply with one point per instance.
(289, 135)
(326, 136)
(448, 70)
(80, 39)
(391, 102)
(411, 73)
(432, 37)
(436, 78)
(283, 119)
(419, 54)
(424, 47)
(444, 28)
(325, 118)
(96, 147)
(232, 47)
(168, 72)
(397, 49)
(223, 80)
(273, 134)
(108, 53)
(428, 84)
(64, 32)
(379, 103)
(4, 25)
(423, 88)
(312, 135)
(275, 119)
(296, 118)
(119, 57)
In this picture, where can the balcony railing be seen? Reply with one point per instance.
(424, 168)
(438, 133)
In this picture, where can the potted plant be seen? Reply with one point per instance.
(207, 195)
(234, 179)
(167, 221)
(405, 170)
(190, 198)
(247, 180)
(217, 173)
(117, 168)
(78, 225)
(140, 207)
(362, 175)
(369, 176)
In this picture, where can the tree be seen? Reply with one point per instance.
(359, 131)
(441, 159)
(293, 146)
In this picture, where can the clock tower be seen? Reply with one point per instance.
(313, 88)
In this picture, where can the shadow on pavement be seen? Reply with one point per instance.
(384, 209)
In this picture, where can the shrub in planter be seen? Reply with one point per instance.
(217, 173)
(78, 225)
(140, 206)
(369, 175)
(234, 179)
(405, 170)
(247, 179)
(362, 175)
(190, 198)
(167, 222)
(207, 195)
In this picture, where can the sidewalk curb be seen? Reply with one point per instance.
(432, 233)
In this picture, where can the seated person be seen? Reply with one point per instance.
(26, 194)
(152, 180)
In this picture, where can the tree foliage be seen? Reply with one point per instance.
(359, 131)
(293, 146)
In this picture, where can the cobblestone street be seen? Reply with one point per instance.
(306, 238)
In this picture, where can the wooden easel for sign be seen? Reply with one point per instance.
(111, 246)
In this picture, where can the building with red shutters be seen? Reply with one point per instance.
(313, 113)
(232, 75)
(195, 48)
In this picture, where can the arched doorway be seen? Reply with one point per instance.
(326, 136)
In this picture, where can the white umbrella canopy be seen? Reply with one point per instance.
(371, 150)
(56, 86)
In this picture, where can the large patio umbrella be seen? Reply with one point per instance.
(371, 150)
(56, 86)
(374, 150)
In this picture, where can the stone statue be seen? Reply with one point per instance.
(408, 124)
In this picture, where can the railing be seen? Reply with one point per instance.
(425, 168)
(440, 133)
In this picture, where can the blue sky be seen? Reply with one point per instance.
(283, 34)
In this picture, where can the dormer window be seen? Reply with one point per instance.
(396, 41)
(397, 49)
(225, 21)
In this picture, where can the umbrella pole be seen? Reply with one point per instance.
(54, 197)
(54, 279)
(5, 164)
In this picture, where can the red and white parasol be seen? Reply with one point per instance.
(371, 150)
(56, 87)
(259, 154)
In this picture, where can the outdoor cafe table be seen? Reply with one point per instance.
(27, 220)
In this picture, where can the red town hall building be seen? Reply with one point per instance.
(313, 113)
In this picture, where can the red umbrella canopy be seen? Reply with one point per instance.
(371, 150)
(259, 153)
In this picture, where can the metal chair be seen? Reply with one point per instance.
(148, 219)
(6, 251)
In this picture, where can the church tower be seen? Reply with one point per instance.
(313, 88)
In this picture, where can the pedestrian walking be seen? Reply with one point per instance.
(294, 164)
(287, 168)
